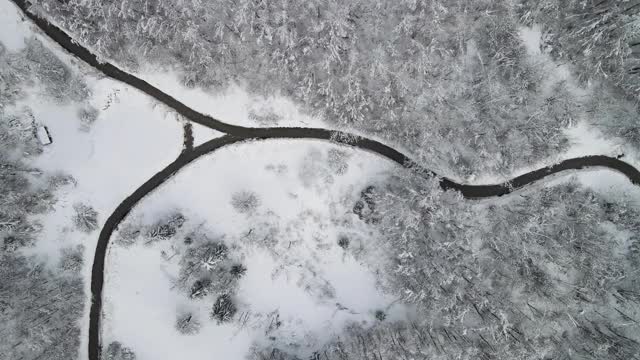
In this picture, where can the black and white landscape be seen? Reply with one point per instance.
(319, 180)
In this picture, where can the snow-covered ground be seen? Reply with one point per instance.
(306, 199)
(13, 29)
(202, 134)
(235, 105)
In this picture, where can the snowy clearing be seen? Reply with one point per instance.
(305, 191)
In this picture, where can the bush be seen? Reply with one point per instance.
(237, 270)
(86, 218)
(223, 309)
(200, 288)
(380, 315)
(117, 351)
(343, 242)
(245, 202)
(88, 116)
(188, 324)
(72, 259)
(166, 228)
(337, 160)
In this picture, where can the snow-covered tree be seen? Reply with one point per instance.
(85, 217)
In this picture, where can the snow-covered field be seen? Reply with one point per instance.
(315, 286)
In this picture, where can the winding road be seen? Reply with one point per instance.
(236, 134)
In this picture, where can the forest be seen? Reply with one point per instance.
(40, 303)
(544, 275)
(451, 80)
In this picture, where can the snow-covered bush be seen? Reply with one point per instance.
(223, 309)
(343, 242)
(380, 315)
(245, 202)
(87, 116)
(187, 324)
(337, 160)
(117, 351)
(72, 259)
(200, 288)
(365, 206)
(85, 218)
(165, 228)
(237, 270)
(208, 267)
(128, 233)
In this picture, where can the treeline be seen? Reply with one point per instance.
(41, 303)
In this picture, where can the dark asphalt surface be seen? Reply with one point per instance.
(236, 134)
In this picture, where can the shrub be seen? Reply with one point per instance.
(200, 288)
(86, 218)
(343, 242)
(238, 270)
(188, 324)
(117, 351)
(72, 259)
(337, 160)
(380, 315)
(245, 202)
(223, 309)
(88, 116)
(167, 228)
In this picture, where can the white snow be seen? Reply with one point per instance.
(234, 105)
(12, 29)
(300, 197)
(531, 37)
(202, 134)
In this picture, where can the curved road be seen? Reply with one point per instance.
(235, 134)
